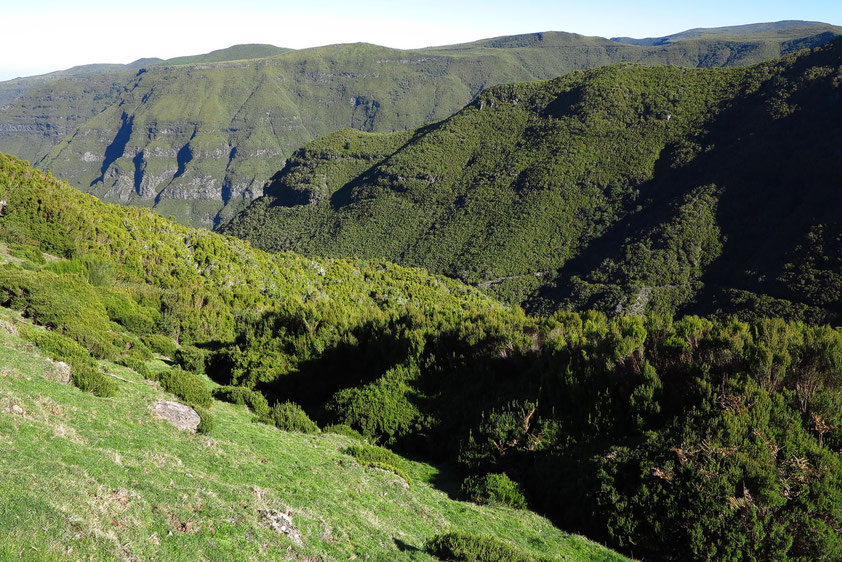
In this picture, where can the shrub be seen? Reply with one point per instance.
(463, 546)
(84, 371)
(160, 344)
(290, 417)
(346, 430)
(85, 375)
(493, 489)
(136, 365)
(378, 457)
(381, 408)
(56, 346)
(187, 386)
(244, 397)
(190, 359)
(206, 420)
(121, 308)
(27, 252)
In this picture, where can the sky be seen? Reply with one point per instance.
(44, 35)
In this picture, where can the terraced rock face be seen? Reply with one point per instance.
(198, 137)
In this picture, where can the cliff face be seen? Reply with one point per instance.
(199, 140)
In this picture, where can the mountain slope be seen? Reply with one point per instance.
(105, 478)
(199, 143)
(686, 438)
(620, 188)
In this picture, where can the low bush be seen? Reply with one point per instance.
(378, 457)
(136, 365)
(27, 252)
(160, 344)
(463, 546)
(187, 386)
(381, 409)
(493, 489)
(206, 420)
(346, 430)
(85, 374)
(190, 359)
(244, 397)
(290, 417)
(84, 370)
(125, 311)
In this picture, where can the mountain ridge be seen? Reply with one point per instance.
(257, 112)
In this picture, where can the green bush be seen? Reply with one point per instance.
(346, 430)
(244, 397)
(476, 548)
(57, 346)
(124, 310)
(86, 375)
(160, 344)
(136, 365)
(206, 420)
(187, 386)
(84, 371)
(190, 358)
(378, 457)
(493, 489)
(379, 409)
(290, 417)
(27, 252)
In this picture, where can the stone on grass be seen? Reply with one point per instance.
(280, 522)
(181, 416)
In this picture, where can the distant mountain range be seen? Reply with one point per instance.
(198, 137)
(623, 189)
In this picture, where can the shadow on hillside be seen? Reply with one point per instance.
(777, 178)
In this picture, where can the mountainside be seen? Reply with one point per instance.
(668, 438)
(123, 484)
(199, 140)
(622, 188)
(788, 31)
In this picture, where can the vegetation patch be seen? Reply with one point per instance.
(476, 548)
(378, 457)
(493, 489)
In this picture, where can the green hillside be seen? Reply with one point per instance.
(200, 143)
(683, 438)
(625, 188)
(103, 478)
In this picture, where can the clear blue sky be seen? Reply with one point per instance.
(43, 35)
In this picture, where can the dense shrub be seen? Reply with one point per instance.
(289, 416)
(346, 430)
(27, 252)
(190, 358)
(474, 548)
(84, 370)
(124, 310)
(206, 420)
(378, 457)
(136, 365)
(381, 409)
(160, 344)
(86, 375)
(187, 386)
(493, 489)
(244, 397)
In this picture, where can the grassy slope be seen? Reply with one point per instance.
(554, 178)
(103, 478)
(244, 118)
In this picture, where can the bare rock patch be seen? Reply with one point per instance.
(181, 416)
